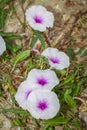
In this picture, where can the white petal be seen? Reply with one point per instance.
(2, 45)
(64, 61)
(39, 27)
(61, 59)
(40, 11)
(33, 10)
(22, 94)
(52, 79)
(45, 112)
(48, 16)
(37, 9)
(48, 52)
(32, 75)
(42, 79)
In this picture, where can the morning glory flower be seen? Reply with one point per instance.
(57, 59)
(43, 104)
(39, 18)
(42, 79)
(23, 93)
(2, 45)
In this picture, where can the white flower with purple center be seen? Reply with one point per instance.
(42, 79)
(2, 45)
(39, 18)
(57, 59)
(43, 104)
(23, 93)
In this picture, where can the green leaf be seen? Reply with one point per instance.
(56, 121)
(15, 111)
(76, 124)
(40, 37)
(69, 100)
(17, 122)
(70, 51)
(2, 2)
(68, 79)
(77, 88)
(45, 127)
(21, 56)
(84, 53)
(13, 47)
(10, 35)
(3, 15)
(34, 39)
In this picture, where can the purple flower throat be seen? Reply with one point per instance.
(38, 19)
(42, 105)
(42, 81)
(54, 60)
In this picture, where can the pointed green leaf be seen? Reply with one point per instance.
(34, 40)
(21, 56)
(68, 79)
(40, 37)
(12, 47)
(56, 121)
(84, 53)
(76, 124)
(69, 100)
(3, 15)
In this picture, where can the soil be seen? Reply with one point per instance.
(68, 15)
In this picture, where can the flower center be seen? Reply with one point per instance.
(42, 105)
(42, 81)
(55, 60)
(38, 19)
(27, 94)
